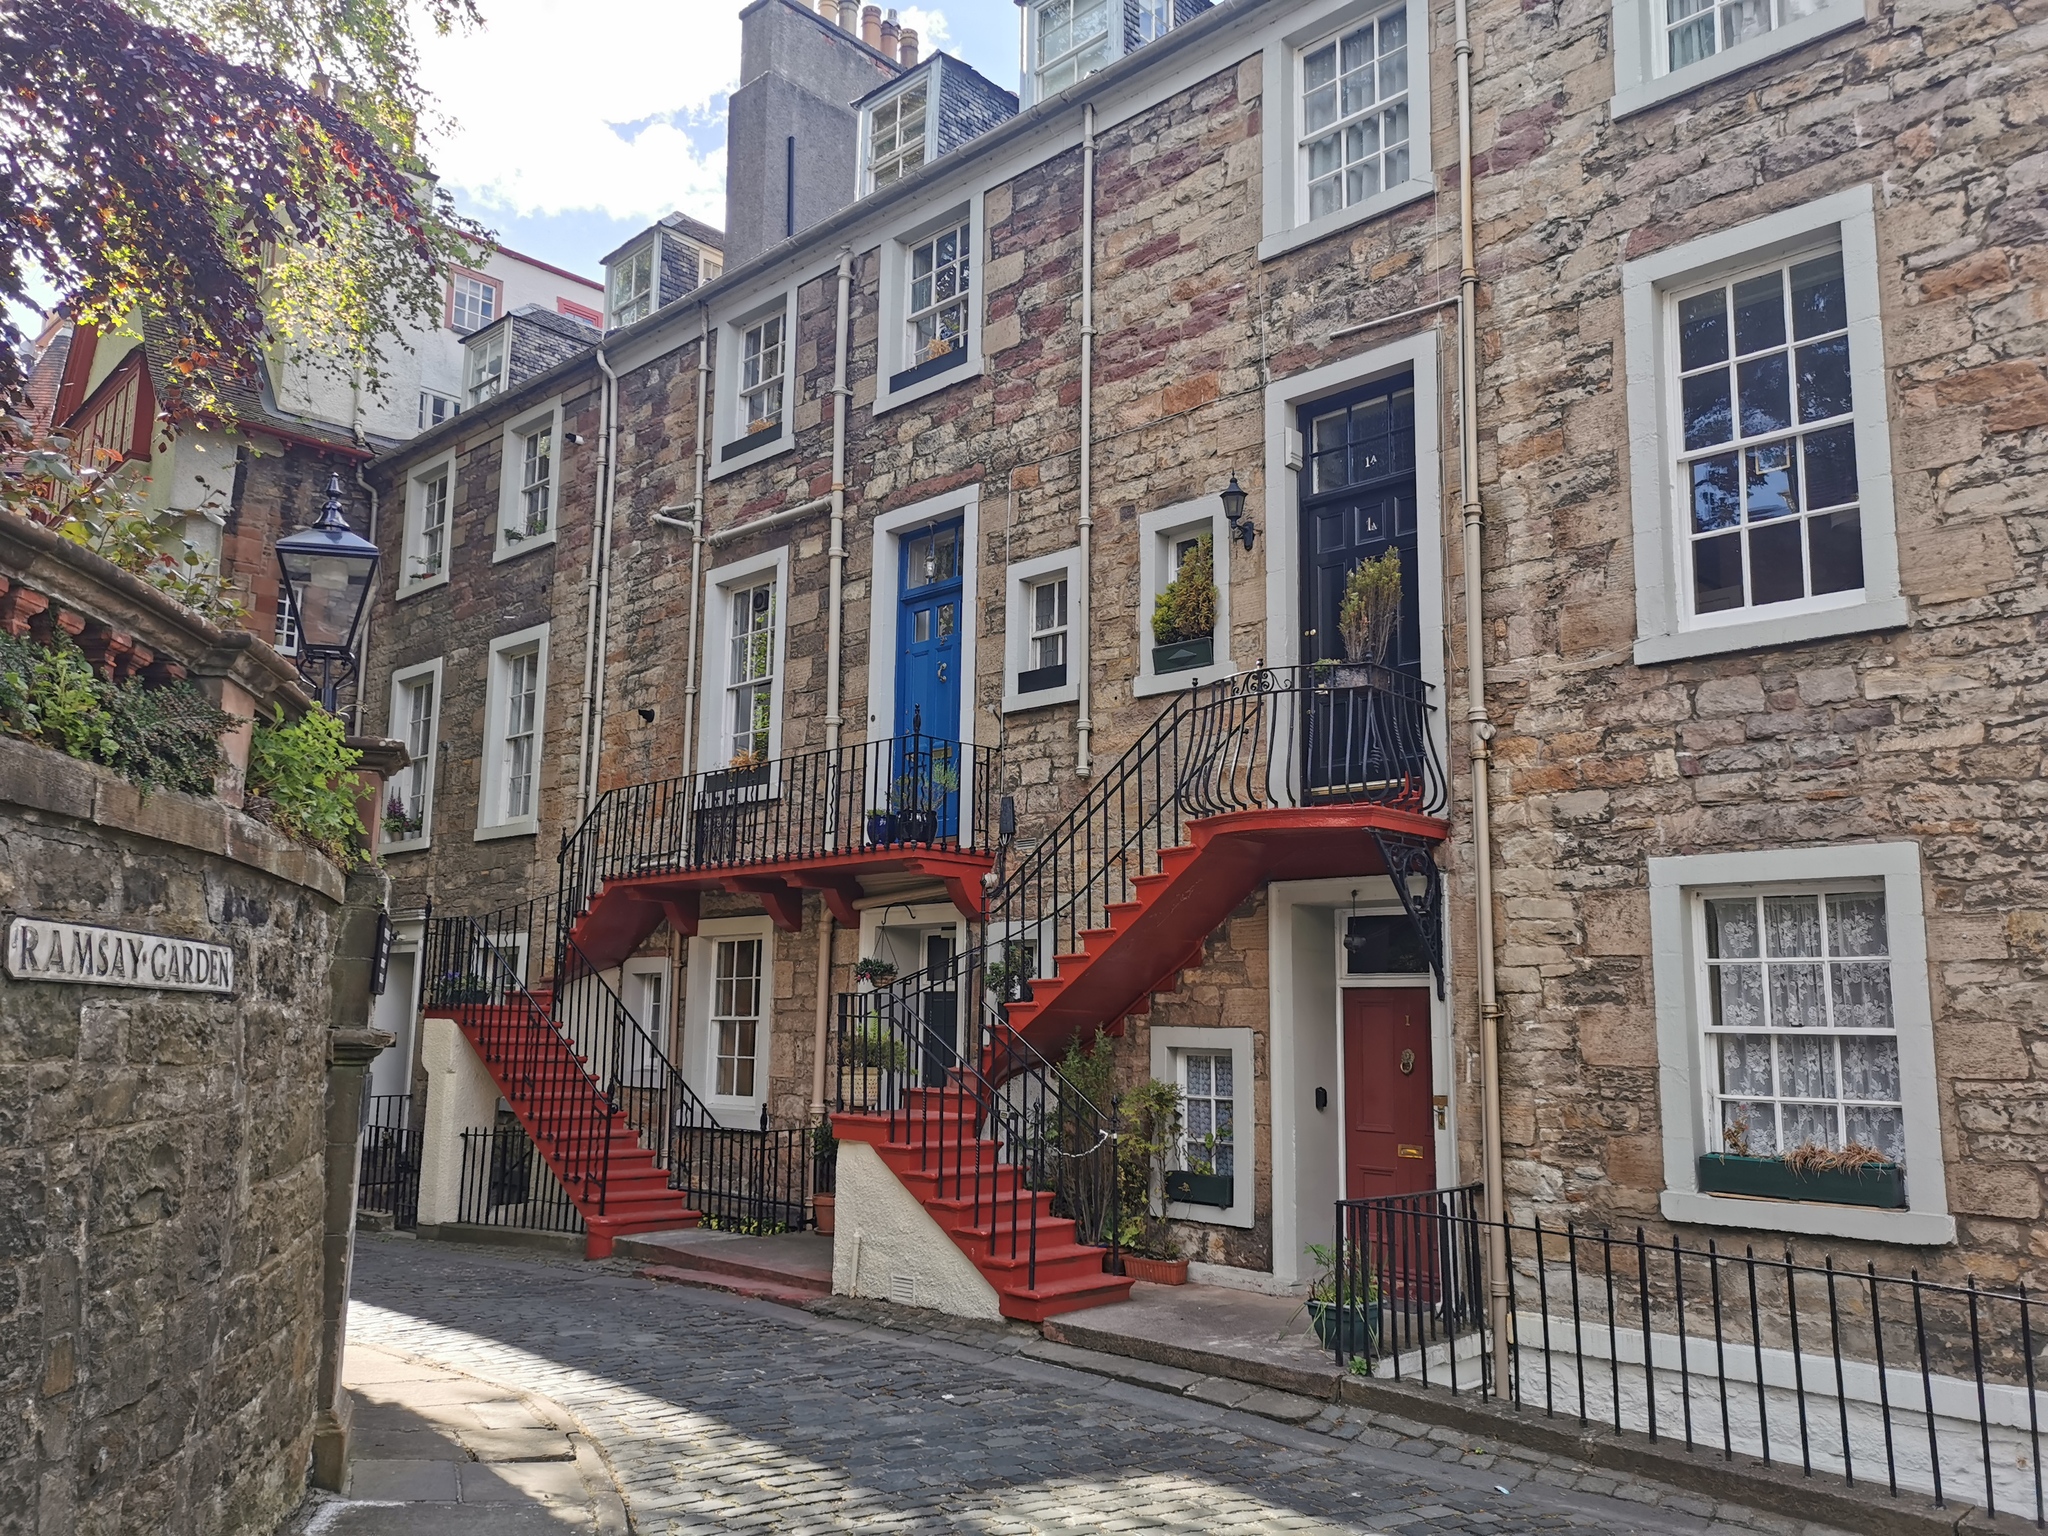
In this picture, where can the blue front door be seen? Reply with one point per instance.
(928, 667)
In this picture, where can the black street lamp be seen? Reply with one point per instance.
(328, 570)
(1242, 528)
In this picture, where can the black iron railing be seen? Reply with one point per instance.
(507, 1183)
(994, 1123)
(1920, 1386)
(896, 791)
(575, 1050)
(745, 1179)
(388, 1163)
(1323, 734)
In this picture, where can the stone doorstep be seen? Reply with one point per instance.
(1277, 1391)
(731, 1285)
(773, 1261)
(570, 1244)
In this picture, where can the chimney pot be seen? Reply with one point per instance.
(849, 16)
(906, 43)
(889, 34)
(871, 26)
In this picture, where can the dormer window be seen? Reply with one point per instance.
(630, 287)
(483, 369)
(1074, 39)
(897, 130)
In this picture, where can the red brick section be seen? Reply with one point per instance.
(558, 1091)
(1031, 1257)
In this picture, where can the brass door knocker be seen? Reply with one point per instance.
(1407, 1062)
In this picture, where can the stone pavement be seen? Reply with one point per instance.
(435, 1450)
(717, 1413)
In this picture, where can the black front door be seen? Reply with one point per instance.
(941, 1010)
(1357, 503)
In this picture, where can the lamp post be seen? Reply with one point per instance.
(328, 569)
(1242, 528)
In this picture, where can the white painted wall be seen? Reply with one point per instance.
(887, 1246)
(460, 1096)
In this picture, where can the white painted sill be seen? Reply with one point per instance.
(415, 588)
(509, 549)
(786, 443)
(1044, 698)
(1837, 16)
(525, 826)
(410, 845)
(1152, 685)
(1926, 1229)
(959, 373)
(1282, 241)
(1791, 629)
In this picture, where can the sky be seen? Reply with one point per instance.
(574, 127)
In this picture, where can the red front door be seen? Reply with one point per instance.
(1389, 1122)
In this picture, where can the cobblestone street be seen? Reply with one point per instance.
(719, 1414)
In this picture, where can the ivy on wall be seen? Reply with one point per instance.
(156, 736)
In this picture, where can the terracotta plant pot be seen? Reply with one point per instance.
(827, 1214)
(1157, 1271)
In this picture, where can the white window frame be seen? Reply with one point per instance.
(701, 1039)
(1157, 532)
(1032, 90)
(459, 275)
(633, 975)
(1676, 936)
(511, 486)
(415, 526)
(438, 397)
(1643, 78)
(731, 420)
(719, 587)
(1018, 580)
(1665, 631)
(926, 80)
(1168, 1044)
(491, 819)
(651, 249)
(496, 342)
(1286, 221)
(894, 352)
(285, 634)
(397, 723)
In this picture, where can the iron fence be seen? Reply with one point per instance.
(915, 790)
(745, 1179)
(388, 1161)
(1916, 1385)
(507, 1183)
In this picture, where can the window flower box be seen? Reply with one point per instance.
(1184, 655)
(1772, 1178)
(1217, 1189)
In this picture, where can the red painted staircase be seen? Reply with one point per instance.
(934, 1144)
(1162, 929)
(594, 1152)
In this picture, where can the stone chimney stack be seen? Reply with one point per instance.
(906, 44)
(871, 26)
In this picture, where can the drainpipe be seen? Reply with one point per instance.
(369, 613)
(592, 722)
(1084, 726)
(697, 544)
(1480, 723)
(841, 400)
(824, 1015)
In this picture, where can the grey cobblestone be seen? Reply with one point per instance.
(722, 1414)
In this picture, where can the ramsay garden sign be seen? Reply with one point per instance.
(42, 950)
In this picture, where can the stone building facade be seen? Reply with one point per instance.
(1841, 722)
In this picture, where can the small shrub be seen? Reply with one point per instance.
(158, 737)
(167, 737)
(1186, 610)
(1370, 610)
(301, 781)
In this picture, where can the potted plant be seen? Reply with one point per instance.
(398, 825)
(463, 987)
(1009, 976)
(1352, 1323)
(874, 971)
(1855, 1174)
(867, 1050)
(824, 1162)
(1184, 614)
(1148, 1131)
(919, 795)
(1198, 1183)
(881, 825)
(1369, 613)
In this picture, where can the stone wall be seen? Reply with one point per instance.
(161, 1240)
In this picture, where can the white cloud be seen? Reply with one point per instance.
(930, 27)
(560, 107)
